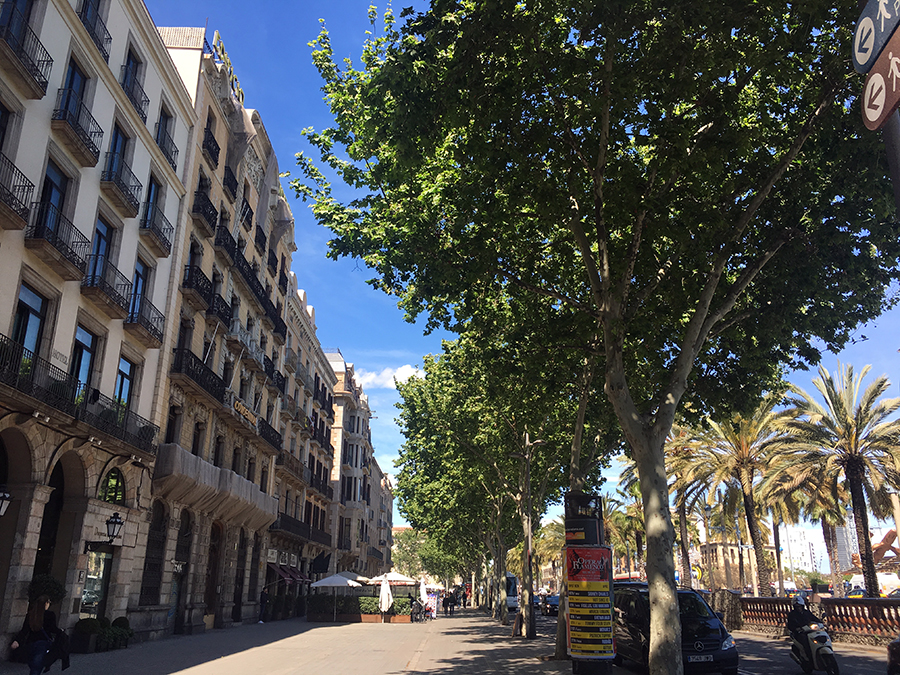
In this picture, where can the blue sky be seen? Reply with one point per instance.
(267, 45)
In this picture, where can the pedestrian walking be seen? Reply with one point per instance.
(263, 601)
(40, 642)
(465, 599)
(446, 604)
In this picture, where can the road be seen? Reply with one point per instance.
(466, 644)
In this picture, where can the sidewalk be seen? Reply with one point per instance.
(466, 644)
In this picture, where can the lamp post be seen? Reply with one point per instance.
(5, 499)
(706, 514)
(113, 526)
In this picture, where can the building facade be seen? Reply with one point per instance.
(93, 115)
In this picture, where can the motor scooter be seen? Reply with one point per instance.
(816, 638)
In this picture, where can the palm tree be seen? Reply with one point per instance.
(852, 437)
(737, 452)
(549, 543)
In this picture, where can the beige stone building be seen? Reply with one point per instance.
(94, 122)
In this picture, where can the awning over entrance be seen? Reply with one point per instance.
(295, 574)
(279, 570)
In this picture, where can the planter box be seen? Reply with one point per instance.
(370, 618)
(400, 618)
(83, 644)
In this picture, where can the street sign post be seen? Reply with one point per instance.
(876, 24)
(590, 602)
(881, 94)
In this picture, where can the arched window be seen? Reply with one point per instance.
(112, 489)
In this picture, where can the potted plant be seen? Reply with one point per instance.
(44, 584)
(84, 636)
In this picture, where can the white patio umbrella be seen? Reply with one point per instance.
(353, 576)
(386, 599)
(392, 578)
(334, 581)
(423, 592)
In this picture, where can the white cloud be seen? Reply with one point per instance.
(384, 379)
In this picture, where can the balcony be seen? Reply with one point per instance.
(22, 56)
(15, 194)
(268, 434)
(293, 466)
(272, 263)
(106, 286)
(35, 377)
(145, 322)
(95, 28)
(279, 381)
(259, 239)
(286, 524)
(237, 336)
(204, 213)
(135, 92)
(375, 553)
(120, 185)
(156, 230)
(229, 181)
(196, 288)
(211, 147)
(320, 536)
(220, 309)
(55, 240)
(305, 379)
(290, 359)
(183, 477)
(282, 282)
(246, 215)
(248, 277)
(225, 245)
(189, 370)
(77, 128)
(307, 430)
(167, 144)
(115, 419)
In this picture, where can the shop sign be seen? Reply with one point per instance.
(272, 555)
(222, 56)
(282, 558)
(244, 411)
(590, 602)
(293, 559)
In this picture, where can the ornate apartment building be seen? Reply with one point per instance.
(361, 511)
(94, 121)
(166, 410)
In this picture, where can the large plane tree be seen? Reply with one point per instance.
(693, 179)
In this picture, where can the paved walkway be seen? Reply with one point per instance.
(466, 644)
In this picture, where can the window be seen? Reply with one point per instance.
(112, 489)
(74, 86)
(103, 233)
(151, 581)
(153, 199)
(83, 354)
(138, 286)
(4, 124)
(162, 129)
(53, 196)
(125, 382)
(28, 325)
(132, 70)
(118, 144)
(197, 440)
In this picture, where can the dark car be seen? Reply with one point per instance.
(706, 646)
(894, 657)
(550, 605)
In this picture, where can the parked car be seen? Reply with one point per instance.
(706, 645)
(550, 605)
(858, 593)
(893, 651)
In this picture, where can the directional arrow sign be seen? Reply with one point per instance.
(875, 27)
(881, 95)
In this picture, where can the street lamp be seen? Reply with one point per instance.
(113, 526)
(706, 516)
(5, 499)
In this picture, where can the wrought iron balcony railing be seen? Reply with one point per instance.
(167, 144)
(15, 188)
(103, 275)
(135, 92)
(225, 243)
(196, 280)
(23, 42)
(278, 378)
(220, 309)
(272, 262)
(72, 110)
(186, 363)
(246, 215)
(50, 225)
(90, 17)
(290, 525)
(32, 375)
(204, 208)
(282, 282)
(119, 174)
(143, 313)
(268, 434)
(229, 181)
(268, 367)
(210, 146)
(259, 238)
(155, 222)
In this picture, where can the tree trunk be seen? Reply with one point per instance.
(861, 518)
(762, 567)
(665, 626)
(776, 530)
(830, 536)
(685, 553)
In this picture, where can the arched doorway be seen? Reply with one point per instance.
(47, 540)
(213, 563)
(15, 473)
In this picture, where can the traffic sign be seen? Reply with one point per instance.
(875, 27)
(881, 95)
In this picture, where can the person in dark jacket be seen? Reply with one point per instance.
(40, 641)
(798, 617)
